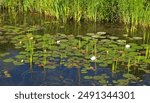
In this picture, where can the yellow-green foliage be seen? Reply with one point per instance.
(133, 12)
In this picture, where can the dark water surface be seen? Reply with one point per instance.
(36, 50)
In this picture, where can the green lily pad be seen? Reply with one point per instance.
(125, 35)
(102, 37)
(114, 37)
(121, 82)
(8, 60)
(103, 82)
(83, 71)
(4, 54)
(90, 34)
(16, 63)
(121, 42)
(88, 77)
(20, 56)
(101, 33)
(137, 38)
(128, 75)
(103, 65)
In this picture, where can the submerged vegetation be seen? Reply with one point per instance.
(133, 12)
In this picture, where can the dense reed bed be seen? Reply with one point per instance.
(132, 12)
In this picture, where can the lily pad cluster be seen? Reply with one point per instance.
(90, 52)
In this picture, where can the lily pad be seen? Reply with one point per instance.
(101, 33)
(16, 63)
(8, 60)
(121, 82)
(114, 37)
(137, 38)
(4, 54)
(88, 77)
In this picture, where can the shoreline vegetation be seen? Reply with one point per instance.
(130, 12)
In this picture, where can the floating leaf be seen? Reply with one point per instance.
(113, 37)
(4, 54)
(8, 60)
(137, 38)
(101, 33)
(88, 77)
(16, 63)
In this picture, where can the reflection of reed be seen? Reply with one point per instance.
(44, 63)
(31, 52)
(78, 76)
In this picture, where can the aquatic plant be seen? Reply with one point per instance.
(31, 49)
(130, 12)
(93, 58)
(90, 54)
(127, 46)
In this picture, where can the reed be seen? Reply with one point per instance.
(130, 12)
(147, 53)
(30, 49)
(129, 64)
(92, 9)
(79, 43)
(44, 51)
(76, 10)
(134, 13)
(95, 47)
(114, 65)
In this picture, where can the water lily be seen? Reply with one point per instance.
(58, 42)
(93, 58)
(127, 46)
(22, 61)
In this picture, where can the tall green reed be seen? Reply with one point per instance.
(131, 12)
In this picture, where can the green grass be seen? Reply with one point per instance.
(130, 12)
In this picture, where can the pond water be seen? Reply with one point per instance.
(36, 50)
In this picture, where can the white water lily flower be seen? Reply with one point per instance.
(127, 46)
(93, 58)
(22, 61)
(58, 42)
